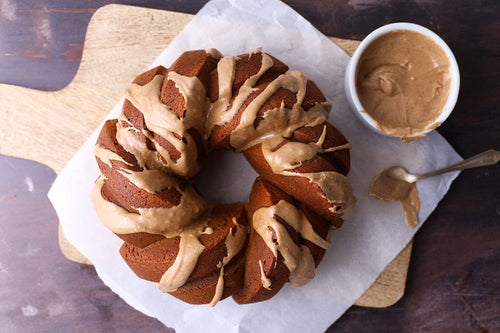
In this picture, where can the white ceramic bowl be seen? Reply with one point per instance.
(350, 75)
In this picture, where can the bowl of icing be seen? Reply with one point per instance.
(402, 81)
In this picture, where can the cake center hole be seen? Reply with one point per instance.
(225, 177)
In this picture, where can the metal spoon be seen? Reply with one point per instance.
(488, 157)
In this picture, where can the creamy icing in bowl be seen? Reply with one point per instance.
(402, 81)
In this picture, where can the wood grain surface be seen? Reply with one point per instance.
(453, 281)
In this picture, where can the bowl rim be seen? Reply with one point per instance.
(454, 72)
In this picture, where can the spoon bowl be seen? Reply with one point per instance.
(488, 157)
(398, 172)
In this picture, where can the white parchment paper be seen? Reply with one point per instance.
(370, 238)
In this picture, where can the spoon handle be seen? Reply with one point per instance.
(488, 157)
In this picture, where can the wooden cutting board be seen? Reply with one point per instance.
(115, 51)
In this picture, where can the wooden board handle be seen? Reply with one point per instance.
(36, 123)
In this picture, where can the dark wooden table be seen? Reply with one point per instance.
(454, 277)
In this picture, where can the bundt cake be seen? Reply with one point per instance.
(171, 118)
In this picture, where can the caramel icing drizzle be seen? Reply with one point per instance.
(298, 259)
(160, 119)
(106, 156)
(219, 113)
(234, 241)
(152, 181)
(219, 288)
(234, 244)
(128, 137)
(336, 187)
(279, 122)
(190, 249)
(266, 282)
(293, 154)
(168, 222)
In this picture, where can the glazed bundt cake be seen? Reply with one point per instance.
(171, 118)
